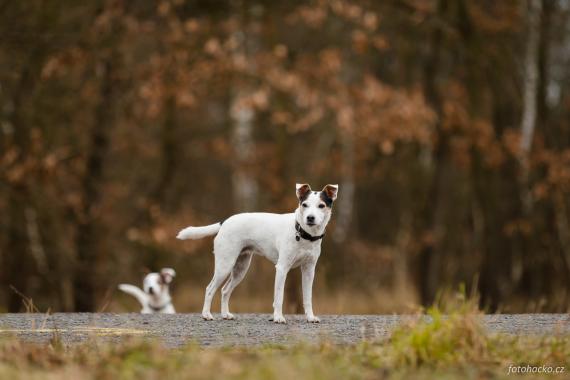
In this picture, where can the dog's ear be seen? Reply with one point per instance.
(303, 190)
(331, 191)
(167, 275)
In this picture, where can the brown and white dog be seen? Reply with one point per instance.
(155, 296)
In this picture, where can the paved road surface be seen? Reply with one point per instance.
(249, 329)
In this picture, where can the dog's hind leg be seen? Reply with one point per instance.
(219, 277)
(224, 262)
(238, 273)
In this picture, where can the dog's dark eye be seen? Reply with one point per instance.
(321, 206)
(305, 205)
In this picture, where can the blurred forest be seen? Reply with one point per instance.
(446, 124)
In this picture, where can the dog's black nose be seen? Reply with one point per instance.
(310, 219)
(151, 290)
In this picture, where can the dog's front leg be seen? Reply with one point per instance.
(308, 275)
(280, 276)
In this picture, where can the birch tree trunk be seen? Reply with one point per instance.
(528, 121)
(244, 183)
(242, 115)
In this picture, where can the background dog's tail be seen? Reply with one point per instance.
(135, 292)
(199, 232)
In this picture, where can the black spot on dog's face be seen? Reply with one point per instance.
(326, 199)
(152, 284)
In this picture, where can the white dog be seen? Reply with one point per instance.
(155, 298)
(288, 240)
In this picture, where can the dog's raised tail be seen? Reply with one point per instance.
(135, 291)
(199, 232)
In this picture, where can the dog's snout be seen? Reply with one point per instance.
(310, 219)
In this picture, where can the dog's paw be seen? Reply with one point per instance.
(313, 319)
(207, 316)
(279, 319)
(228, 316)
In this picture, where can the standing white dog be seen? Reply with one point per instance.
(288, 240)
(155, 298)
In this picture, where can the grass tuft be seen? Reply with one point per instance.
(451, 333)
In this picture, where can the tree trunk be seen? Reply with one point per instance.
(544, 63)
(347, 188)
(18, 260)
(530, 85)
(244, 183)
(242, 115)
(168, 151)
(429, 256)
(86, 242)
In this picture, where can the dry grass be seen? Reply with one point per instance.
(452, 344)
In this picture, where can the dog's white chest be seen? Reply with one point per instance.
(303, 253)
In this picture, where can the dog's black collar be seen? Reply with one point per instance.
(301, 233)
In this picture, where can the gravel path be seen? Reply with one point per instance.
(249, 329)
